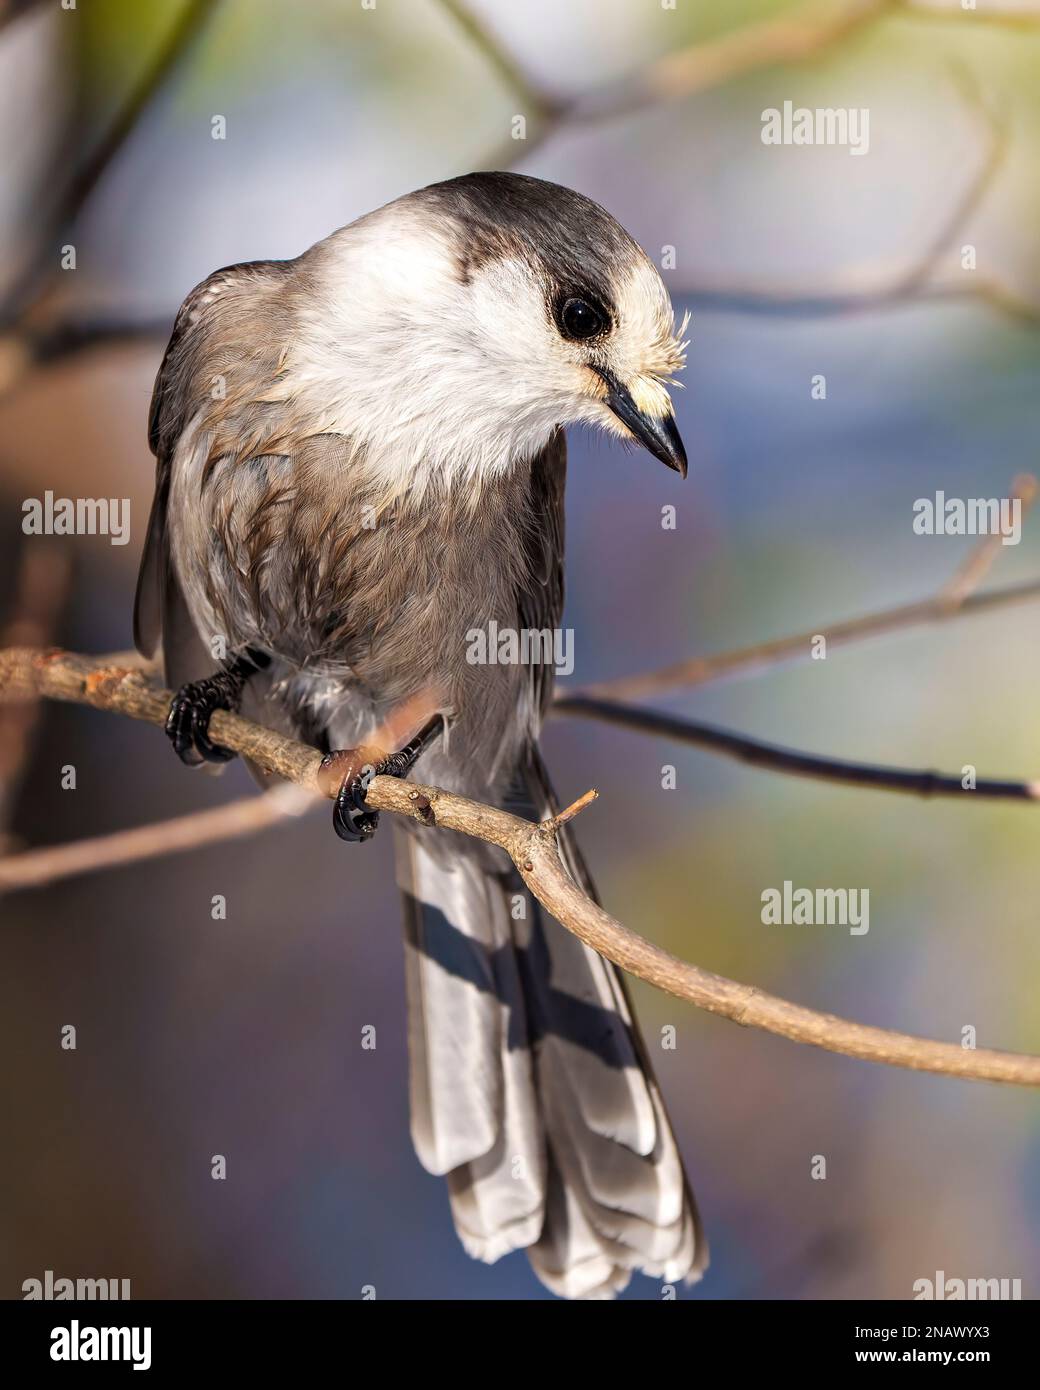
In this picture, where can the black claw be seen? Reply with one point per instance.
(188, 722)
(211, 752)
(350, 818)
(178, 729)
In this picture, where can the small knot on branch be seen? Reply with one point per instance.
(100, 685)
(748, 994)
(423, 807)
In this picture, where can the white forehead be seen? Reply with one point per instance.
(643, 305)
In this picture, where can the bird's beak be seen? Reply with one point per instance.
(657, 433)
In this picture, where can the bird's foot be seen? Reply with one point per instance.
(350, 772)
(187, 724)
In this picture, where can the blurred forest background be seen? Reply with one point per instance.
(242, 1037)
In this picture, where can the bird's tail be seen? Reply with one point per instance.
(531, 1091)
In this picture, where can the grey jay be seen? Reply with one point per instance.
(360, 460)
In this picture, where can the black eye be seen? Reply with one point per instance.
(580, 319)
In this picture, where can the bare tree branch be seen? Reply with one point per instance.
(537, 104)
(699, 670)
(40, 866)
(913, 781)
(912, 284)
(956, 13)
(532, 848)
(793, 36)
(34, 868)
(980, 559)
(199, 829)
(956, 598)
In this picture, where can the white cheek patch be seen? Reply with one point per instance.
(508, 313)
(536, 369)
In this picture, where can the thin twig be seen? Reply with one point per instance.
(955, 599)
(199, 829)
(790, 37)
(62, 676)
(973, 193)
(913, 781)
(569, 812)
(699, 670)
(537, 104)
(980, 560)
(913, 284)
(706, 64)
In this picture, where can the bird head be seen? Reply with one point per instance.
(485, 312)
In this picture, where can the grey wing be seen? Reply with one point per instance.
(196, 346)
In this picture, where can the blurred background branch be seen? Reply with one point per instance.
(957, 598)
(197, 830)
(539, 105)
(793, 37)
(759, 656)
(15, 9)
(913, 781)
(30, 287)
(992, 13)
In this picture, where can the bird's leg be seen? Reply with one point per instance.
(352, 771)
(187, 724)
